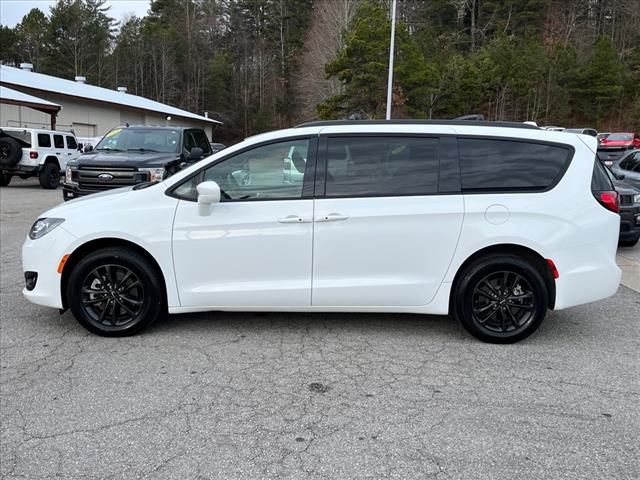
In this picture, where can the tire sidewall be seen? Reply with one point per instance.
(47, 170)
(15, 152)
(475, 273)
(153, 303)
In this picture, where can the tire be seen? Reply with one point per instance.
(10, 152)
(115, 292)
(50, 176)
(628, 243)
(5, 179)
(499, 308)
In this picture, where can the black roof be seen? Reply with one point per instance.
(474, 123)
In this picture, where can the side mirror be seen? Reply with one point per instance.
(208, 194)
(88, 148)
(196, 153)
(620, 176)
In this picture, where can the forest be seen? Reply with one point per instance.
(258, 65)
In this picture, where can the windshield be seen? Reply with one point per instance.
(163, 140)
(620, 136)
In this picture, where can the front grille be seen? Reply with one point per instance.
(98, 178)
(626, 200)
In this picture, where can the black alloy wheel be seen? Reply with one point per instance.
(503, 302)
(501, 298)
(115, 292)
(112, 295)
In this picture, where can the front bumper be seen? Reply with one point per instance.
(629, 223)
(42, 256)
(73, 190)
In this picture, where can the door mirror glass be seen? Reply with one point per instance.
(208, 193)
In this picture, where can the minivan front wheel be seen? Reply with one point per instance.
(115, 292)
(501, 299)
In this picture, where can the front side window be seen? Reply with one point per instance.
(199, 139)
(71, 143)
(164, 140)
(631, 164)
(58, 141)
(504, 165)
(44, 140)
(262, 173)
(381, 166)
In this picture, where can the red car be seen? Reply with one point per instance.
(616, 144)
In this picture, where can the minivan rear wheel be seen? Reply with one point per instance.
(115, 292)
(501, 298)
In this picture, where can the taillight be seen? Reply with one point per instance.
(33, 155)
(609, 200)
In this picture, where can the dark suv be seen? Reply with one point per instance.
(129, 155)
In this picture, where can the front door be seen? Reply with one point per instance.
(253, 249)
(383, 236)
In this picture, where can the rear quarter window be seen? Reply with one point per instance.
(44, 140)
(600, 180)
(492, 165)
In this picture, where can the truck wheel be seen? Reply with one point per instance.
(50, 176)
(10, 152)
(4, 179)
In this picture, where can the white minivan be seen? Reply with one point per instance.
(494, 223)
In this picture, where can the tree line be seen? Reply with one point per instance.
(264, 64)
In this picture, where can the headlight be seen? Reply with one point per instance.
(155, 174)
(68, 177)
(44, 226)
(636, 198)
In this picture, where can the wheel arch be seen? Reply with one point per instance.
(50, 159)
(521, 251)
(100, 243)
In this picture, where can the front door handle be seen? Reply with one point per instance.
(332, 217)
(292, 219)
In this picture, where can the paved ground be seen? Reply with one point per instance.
(321, 396)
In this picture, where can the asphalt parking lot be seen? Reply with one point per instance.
(320, 396)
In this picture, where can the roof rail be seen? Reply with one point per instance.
(475, 123)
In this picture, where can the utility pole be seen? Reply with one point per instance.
(391, 55)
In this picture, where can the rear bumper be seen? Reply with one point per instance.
(587, 273)
(22, 170)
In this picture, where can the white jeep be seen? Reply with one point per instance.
(31, 152)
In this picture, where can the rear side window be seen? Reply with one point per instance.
(368, 166)
(600, 180)
(631, 163)
(490, 165)
(44, 140)
(71, 143)
(58, 141)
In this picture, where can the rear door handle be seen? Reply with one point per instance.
(332, 217)
(293, 219)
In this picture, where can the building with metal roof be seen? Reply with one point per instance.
(88, 110)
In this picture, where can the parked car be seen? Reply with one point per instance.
(627, 168)
(629, 211)
(430, 217)
(86, 144)
(34, 152)
(130, 155)
(602, 135)
(616, 145)
(584, 131)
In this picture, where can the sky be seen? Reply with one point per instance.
(12, 11)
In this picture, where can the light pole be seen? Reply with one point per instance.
(391, 55)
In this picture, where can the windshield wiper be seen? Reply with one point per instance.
(109, 149)
(141, 150)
